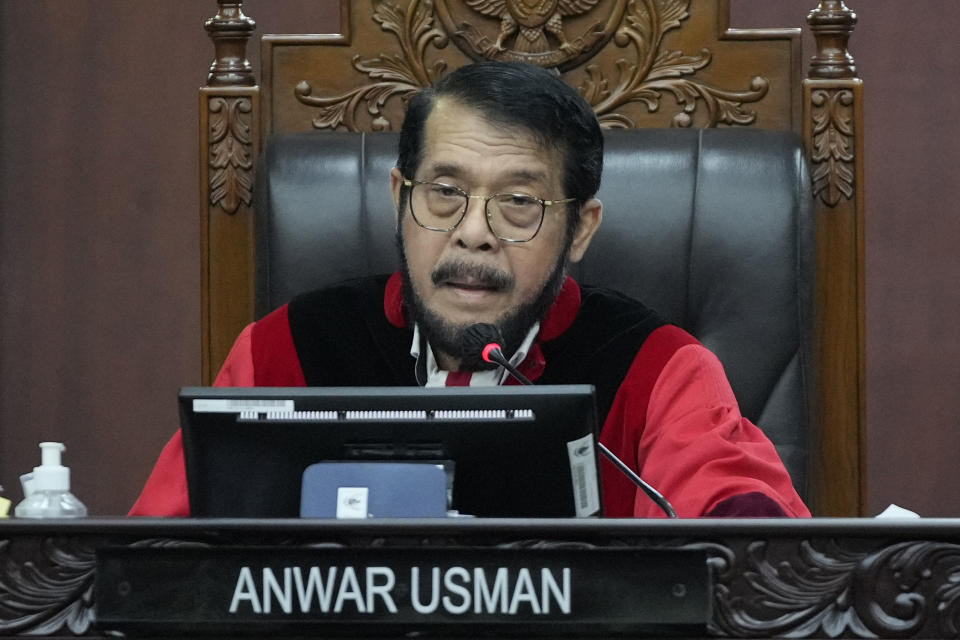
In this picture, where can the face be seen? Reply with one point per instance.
(468, 275)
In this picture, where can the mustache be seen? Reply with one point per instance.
(485, 275)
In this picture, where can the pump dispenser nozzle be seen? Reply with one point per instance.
(50, 453)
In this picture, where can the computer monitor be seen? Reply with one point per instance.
(517, 451)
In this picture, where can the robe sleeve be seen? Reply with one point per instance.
(702, 454)
(237, 369)
(165, 493)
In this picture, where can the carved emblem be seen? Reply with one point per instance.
(231, 151)
(533, 30)
(909, 589)
(833, 145)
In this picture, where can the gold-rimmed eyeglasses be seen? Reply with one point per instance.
(512, 217)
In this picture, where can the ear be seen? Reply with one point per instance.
(396, 183)
(590, 216)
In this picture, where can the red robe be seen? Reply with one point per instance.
(673, 417)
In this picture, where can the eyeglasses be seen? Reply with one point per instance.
(512, 217)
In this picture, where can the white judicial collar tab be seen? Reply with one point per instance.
(352, 503)
(238, 405)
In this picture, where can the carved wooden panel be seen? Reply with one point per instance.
(833, 136)
(845, 578)
(46, 586)
(640, 63)
(837, 588)
(229, 143)
(231, 152)
(832, 156)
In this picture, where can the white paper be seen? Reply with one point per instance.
(893, 511)
(352, 503)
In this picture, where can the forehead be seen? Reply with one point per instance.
(460, 141)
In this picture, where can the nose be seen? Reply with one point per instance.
(474, 232)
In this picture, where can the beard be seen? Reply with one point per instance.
(447, 337)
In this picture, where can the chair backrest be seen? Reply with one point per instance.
(713, 228)
(642, 64)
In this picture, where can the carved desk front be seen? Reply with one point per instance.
(769, 578)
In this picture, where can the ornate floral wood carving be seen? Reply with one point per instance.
(231, 150)
(393, 75)
(776, 587)
(535, 32)
(655, 71)
(833, 145)
(47, 584)
(908, 589)
(44, 590)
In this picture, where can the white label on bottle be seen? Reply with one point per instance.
(583, 472)
(352, 502)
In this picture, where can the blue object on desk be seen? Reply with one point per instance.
(355, 490)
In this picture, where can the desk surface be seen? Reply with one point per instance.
(800, 578)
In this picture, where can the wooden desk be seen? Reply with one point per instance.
(814, 578)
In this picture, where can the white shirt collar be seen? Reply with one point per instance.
(437, 377)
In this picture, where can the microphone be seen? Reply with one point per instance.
(485, 339)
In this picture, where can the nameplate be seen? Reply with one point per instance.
(255, 590)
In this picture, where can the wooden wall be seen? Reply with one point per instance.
(100, 235)
(99, 232)
(906, 54)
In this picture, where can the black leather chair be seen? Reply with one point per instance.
(713, 228)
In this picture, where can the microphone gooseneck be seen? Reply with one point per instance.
(652, 493)
(485, 339)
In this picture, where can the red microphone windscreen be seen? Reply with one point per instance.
(493, 346)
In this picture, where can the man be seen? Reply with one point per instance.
(494, 194)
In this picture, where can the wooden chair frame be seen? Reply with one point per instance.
(357, 90)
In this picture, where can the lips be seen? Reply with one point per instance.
(470, 284)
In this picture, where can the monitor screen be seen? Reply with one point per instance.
(516, 451)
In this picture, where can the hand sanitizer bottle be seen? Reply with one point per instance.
(47, 489)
